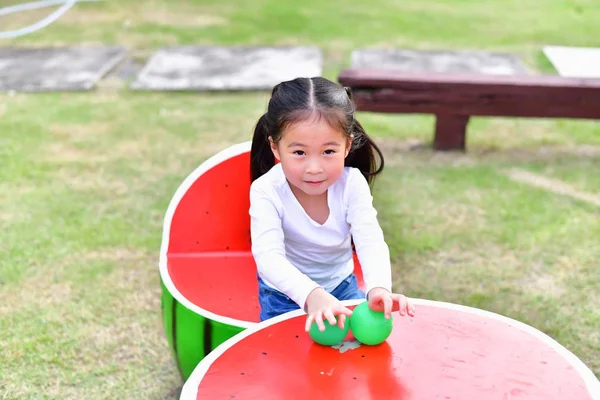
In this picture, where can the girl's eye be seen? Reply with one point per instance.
(329, 151)
(299, 152)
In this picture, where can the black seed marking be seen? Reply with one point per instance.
(207, 336)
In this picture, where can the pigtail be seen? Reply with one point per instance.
(364, 153)
(261, 156)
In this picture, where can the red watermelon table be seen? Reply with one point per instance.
(446, 352)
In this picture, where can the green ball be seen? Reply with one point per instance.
(332, 335)
(370, 327)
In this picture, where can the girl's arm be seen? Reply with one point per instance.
(371, 248)
(269, 250)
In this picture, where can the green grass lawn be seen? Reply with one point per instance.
(85, 180)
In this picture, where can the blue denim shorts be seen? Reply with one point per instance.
(273, 302)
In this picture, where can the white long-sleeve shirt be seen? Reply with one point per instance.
(294, 254)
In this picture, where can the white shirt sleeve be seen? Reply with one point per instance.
(268, 249)
(371, 248)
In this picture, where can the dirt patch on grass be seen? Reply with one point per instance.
(39, 291)
(552, 185)
(459, 216)
(66, 153)
(80, 132)
(540, 153)
(113, 254)
(49, 287)
(7, 217)
(396, 149)
(105, 97)
(502, 133)
(182, 160)
(545, 281)
(144, 161)
(138, 148)
(396, 152)
(65, 148)
(125, 335)
(138, 39)
(457, 272)
(94, 180)
(132, 286)
(83, 14)
(178, 18)
(11, 209)
(394, 146)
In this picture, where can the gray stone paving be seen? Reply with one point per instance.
(56, 69)
(227, 68)
(198, 68)
(439, 61)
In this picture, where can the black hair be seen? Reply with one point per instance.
(295, 100)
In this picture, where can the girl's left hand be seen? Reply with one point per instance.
(381, 299)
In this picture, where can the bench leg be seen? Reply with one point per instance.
(450, 132)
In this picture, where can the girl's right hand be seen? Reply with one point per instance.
(321, 306)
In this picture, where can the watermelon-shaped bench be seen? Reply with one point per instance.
(208, 274)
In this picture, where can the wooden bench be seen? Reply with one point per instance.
(453, 99)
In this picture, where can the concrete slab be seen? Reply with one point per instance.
(439, 61)
(227, 68)
(56, 69)
(126, 70)
(574, 62)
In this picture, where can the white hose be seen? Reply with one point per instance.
(66, 5)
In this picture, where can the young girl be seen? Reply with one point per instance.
(308, 208)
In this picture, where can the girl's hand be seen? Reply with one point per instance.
(321, 306)
(382, 300)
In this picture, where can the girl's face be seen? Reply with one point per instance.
(312, 155)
